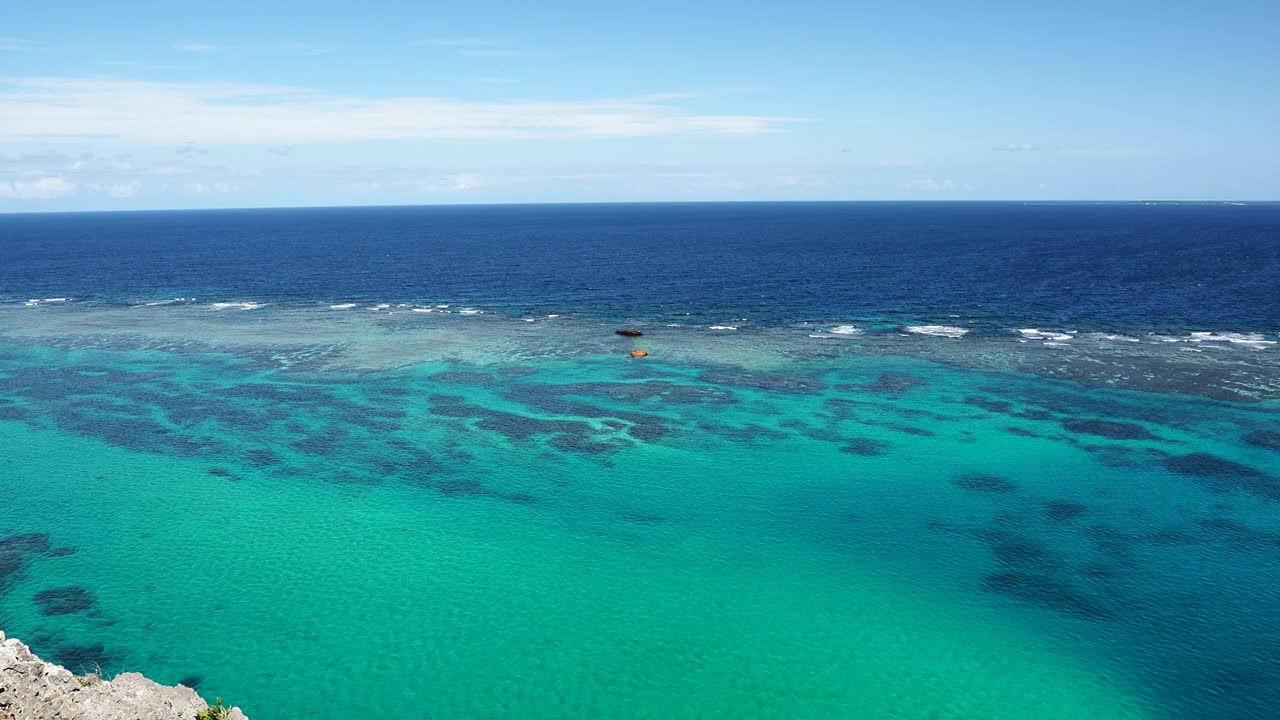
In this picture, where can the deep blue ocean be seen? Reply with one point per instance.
(974, 461)
(1090, 266)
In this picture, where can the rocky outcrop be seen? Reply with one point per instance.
(32, 689)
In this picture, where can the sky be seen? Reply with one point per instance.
(157, 105)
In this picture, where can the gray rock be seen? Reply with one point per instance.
(32, 689)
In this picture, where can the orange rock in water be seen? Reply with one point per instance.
(639, 353)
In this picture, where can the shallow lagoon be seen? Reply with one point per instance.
(485, 517)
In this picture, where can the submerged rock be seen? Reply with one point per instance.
(1220, 475)
(64, 601)
(32, 689)
(985, 482)
(1264, 439)
(1064, 511)
(1109, 429)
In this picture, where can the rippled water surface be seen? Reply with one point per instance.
(499, 514)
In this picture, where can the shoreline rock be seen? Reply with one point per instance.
(32, 689)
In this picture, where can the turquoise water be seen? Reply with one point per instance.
(320, 514)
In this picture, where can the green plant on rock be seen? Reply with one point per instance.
(216, 711)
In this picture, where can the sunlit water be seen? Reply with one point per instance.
(916, 462)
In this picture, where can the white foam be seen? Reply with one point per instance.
(237, 305)
(342, 306)
(1251, 340)
(1056, 344)
(552, 316)
(1037, 334)
(721, 327)
(938, 330)
(443, 306)
(530, 320)
(56, 300)
(1125, 338)
(423, 310)
(845, 330)
(470, 311)
(170, 301)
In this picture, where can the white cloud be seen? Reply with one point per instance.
(931, 185)
(43, 189)
(1015, 147)
(117, 190)
(210, 188)
(452, 183)
(176, 113)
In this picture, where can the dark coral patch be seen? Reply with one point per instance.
(1020, 552)
(1063, 510)
(581, 444)
(25, 543)
(1005, 407)
(263, 457)
(1050, 593)
(1122, 456)
(1021, 432)
(865, 447)
(813, 433)
(79, 658)
(517, 371)
(1221, 475)
(223, 473)
(16, 550)
(1109, 429)
(649, 431)
(10, 564)
(888, 384)
(1268, 439)
(997, 406)
(653, 390)
(763, 381)
(64, 601)
(459, 377)
(749, 433)
(191, 681)
(323, 442)
(909, 429)
(985, 482)
(13, 412)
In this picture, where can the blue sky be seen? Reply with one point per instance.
(132, 105)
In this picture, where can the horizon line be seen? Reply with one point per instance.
(1145, 201)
